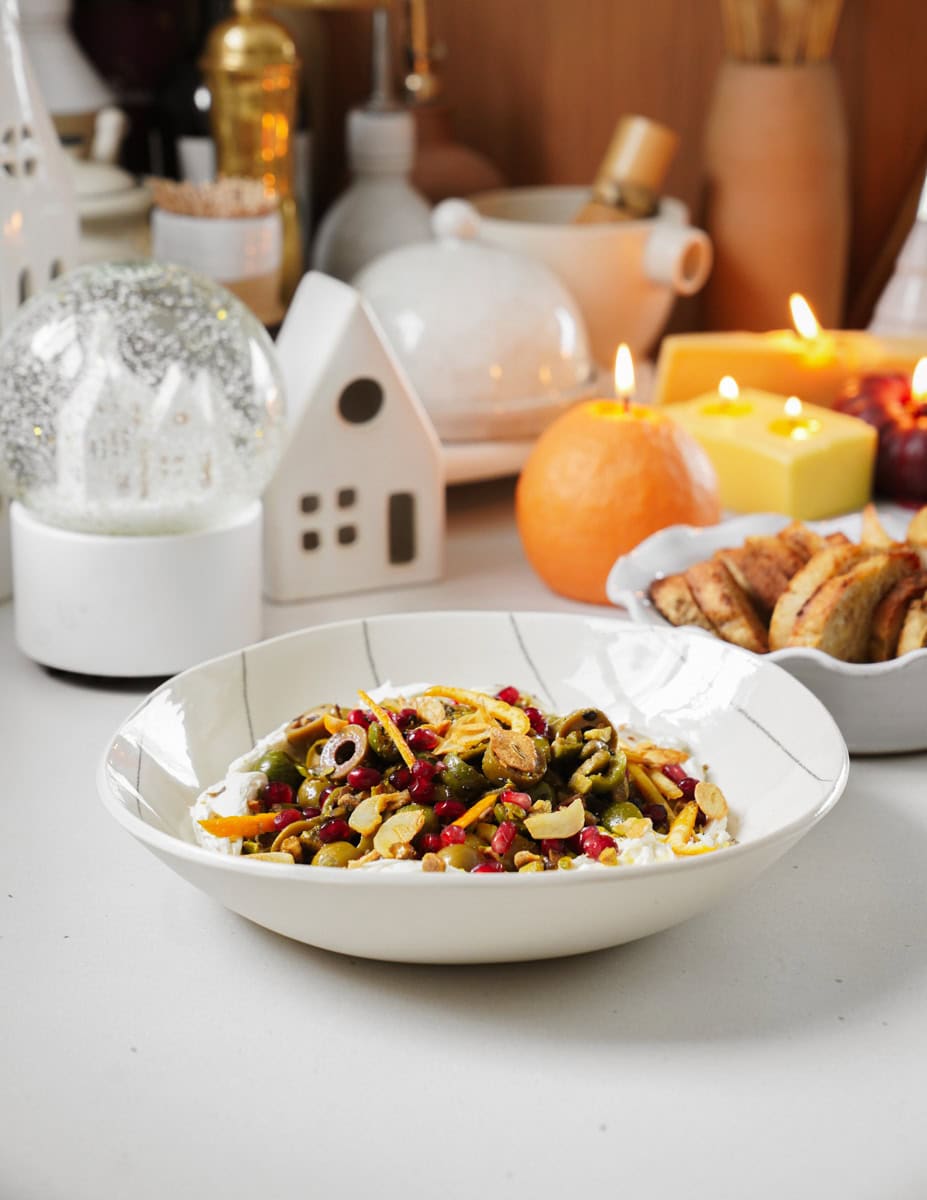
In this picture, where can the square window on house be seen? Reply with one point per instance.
(347, 497)
(347, 535)
(309, 504)
(310, 540)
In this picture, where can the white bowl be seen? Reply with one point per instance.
(625, 275)
(879, 707)
(769, 743)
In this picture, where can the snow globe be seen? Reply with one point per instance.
(141, 416)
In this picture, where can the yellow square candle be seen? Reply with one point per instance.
(774, 455)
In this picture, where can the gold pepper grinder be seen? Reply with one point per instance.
(252, 71)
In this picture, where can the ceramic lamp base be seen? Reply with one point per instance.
(135, 606)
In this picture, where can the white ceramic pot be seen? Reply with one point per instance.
(625, 275)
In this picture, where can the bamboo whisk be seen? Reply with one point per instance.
(780, 31)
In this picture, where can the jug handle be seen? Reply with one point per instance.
(678, 256)
(108, 131)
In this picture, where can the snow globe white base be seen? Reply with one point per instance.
(132, 606)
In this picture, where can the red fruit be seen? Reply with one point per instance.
(363, 778)
(424, 770)
(334, 830)
(536, 717)
(508, 695)
(551, 846)
(675, 772)
(405, 717)
(310, 812)
(453, 835)
(503, 837)
(422, 791)
(687, 786)
(887, 403)
(430, 843)
(421, 739)
(287, 817)
(449, 810)
(487, 868)
(360, 716)
(522, 799)
(277, 792)
(400, 778)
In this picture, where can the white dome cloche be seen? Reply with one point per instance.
(494, 344)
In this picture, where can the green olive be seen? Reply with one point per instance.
(279, 767)
(460, 855)
(616, 814)
(461, 778)
(310, 792)
(382, 744)
(336, 854)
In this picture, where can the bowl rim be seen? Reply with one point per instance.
(173, 846)
(672, 209)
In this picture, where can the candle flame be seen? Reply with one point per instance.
(803, 317)
(728, 389)
(919, 380)
(793, 408)
(624, 372)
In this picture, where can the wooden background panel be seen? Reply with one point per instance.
(538, 84)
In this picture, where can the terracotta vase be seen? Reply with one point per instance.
(777, 194)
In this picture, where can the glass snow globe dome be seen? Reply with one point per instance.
(138, 398)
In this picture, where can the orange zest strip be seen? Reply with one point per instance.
(475, 811)
(240, 827)
(332, 723)
(391, 729)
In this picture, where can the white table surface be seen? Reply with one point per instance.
(156, 1045)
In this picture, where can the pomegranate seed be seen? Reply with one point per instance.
(487, 868)
(324, 794)
(431, 843)
(536, 717)
(277, 792)
(687, 786)
(334, 830)
(364, 778)
(287, 817)
(424, 770)
(503, 837)
(675, 772)
(310, 812)
(360, 716)
(421, 739)
(449, 810)
(551, 846)
(422, 791)
(656, 813)
(522, 799)
(453, 835)
(508, 695)
(400, 778)
(405, 717)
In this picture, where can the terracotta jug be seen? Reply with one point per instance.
(777, 194)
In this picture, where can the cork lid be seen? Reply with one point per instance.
(638, 156)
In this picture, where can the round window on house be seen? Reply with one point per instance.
(360, 401)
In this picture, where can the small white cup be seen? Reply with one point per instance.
(242, 253)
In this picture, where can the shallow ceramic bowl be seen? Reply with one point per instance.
(770, 745)
(879, 707)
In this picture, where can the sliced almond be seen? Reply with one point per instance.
(710, 799)
(431, 862)
(398, 830)
(368, 816)
(430, 709)
(665, 784)
(649, 755)
(563, 823)
(271, 856)
(369, 857)
(525, 857)
(508, 714)
(637, 827)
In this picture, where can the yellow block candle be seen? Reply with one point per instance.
(816, 364)
(774, 454)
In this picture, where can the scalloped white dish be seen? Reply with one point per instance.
(768, 743)
(879, 707)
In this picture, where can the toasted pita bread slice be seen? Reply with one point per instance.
(837, 539)
(672, 597)
(804, 541)
(790, 559)
(873, 534)
(824, 565)
(917, 530)
(757, 574)
(890, 614)
(914, 630)
(726, 606)
(838, 616)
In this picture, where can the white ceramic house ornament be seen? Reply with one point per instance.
(357, 501)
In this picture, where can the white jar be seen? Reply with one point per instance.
(380, 210)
